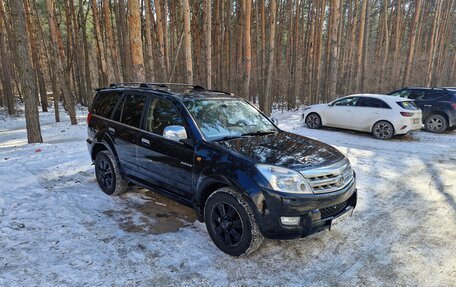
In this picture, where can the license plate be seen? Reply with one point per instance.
(342, 218)
(415, 121)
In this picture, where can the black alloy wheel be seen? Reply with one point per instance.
(104, 174)
(231, 223)
(227, 223)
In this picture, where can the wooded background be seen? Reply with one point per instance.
(286, 52)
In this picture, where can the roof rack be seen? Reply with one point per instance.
(165, 87)
(157, 85)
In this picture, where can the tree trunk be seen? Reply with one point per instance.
(25, 70)
(102, 66)
(112, 51)
(161, 39)
(38, 71)
(149, 57)
(360, 61)
(267, 103)
(6, 68)
(334, 55)
(188, 43)
(434, 40)
(410, 57)
(134, 25)
(247, 4)
(385, 46)
(397, 43)
(57, 58)
(208, 25)
(88, 79)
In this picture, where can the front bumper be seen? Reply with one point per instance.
(316, 212)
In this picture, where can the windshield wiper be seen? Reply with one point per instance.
(260, 133)
(224, 138)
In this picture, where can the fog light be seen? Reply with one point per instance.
(290, 220)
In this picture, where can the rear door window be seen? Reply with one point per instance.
(372, 103)
(104, 103)
(416, 95)
(132, 110)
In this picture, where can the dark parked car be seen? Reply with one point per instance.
(217, 153)
(438, 106)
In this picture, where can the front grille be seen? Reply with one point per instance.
(329, 178)
(333, 210)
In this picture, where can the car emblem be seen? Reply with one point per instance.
(340, 181)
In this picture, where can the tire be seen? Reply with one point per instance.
(108, 174)
(231, 223)
(313, 121)
(383, 130)
(435, 124)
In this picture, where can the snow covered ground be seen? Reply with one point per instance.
(58, 228)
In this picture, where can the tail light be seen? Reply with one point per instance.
(89, 116)
(454, 106)
(406, 114)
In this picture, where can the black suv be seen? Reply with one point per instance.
(219, 154)
(438, 106)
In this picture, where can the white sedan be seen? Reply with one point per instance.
(382, 115)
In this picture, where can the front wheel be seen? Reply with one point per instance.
(231, 223)
(383, 130)
(435, 124)
(313, 121)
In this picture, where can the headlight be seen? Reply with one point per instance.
(284, 179)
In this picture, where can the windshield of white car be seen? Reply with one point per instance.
(221, 119)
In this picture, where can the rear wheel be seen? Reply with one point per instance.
(435, 123)
(383, 130)
(108, 174)
(231, 223)
(313, 121)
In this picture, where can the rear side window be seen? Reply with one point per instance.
(104, 103)
(436, 95)
(372, 103)
(132, 110)
(408, 105)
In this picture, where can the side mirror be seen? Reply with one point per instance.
(330, 104)
(275, 121)
(175, 133)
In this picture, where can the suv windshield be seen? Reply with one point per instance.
(228, 118)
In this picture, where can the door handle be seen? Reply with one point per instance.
(111, 130)
(145, 141)
(427, 105)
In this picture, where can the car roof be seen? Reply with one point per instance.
(386, 98)
(175, 90)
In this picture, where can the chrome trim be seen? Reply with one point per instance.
(329, 178)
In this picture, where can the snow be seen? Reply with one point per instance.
(58, 228)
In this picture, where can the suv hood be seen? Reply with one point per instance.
(285, 149)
